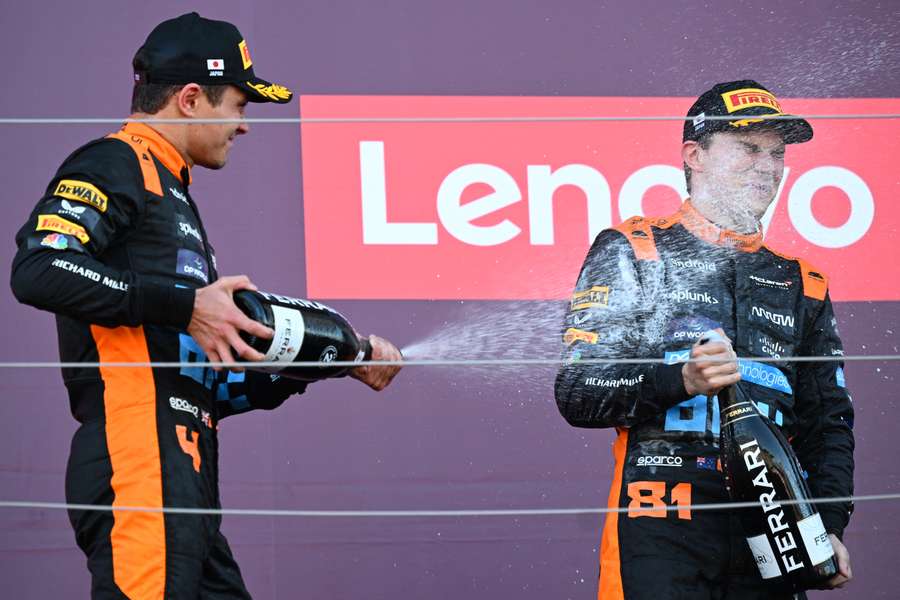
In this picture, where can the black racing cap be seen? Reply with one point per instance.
(191, 49)
(742, 100)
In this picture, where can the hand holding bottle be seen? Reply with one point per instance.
(378, 377)
(845, 573)
(707, 377)
(216, 323)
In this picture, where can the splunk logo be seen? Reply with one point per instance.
(773, 317)
(687, 295)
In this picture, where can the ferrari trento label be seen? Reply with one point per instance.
(764, 557)
(818, 546)
(81, 191)
(289, 332)
(60, 225)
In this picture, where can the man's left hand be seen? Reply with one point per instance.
(378, 377)
(845, 573)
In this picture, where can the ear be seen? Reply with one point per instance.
(691, 155)
(188, 98)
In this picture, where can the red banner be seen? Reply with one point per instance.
(507, 209)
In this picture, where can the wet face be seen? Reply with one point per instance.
(744, 168)
(208, 143)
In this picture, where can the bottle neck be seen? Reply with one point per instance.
(727, 397)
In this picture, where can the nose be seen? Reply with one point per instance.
(243, 127)
(767, 163)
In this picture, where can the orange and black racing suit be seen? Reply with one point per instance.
(116, 249)
(649, 288)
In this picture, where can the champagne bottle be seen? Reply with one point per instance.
(305, 331)
(788, 541)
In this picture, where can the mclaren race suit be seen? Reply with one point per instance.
(116, 248)
(649, 288)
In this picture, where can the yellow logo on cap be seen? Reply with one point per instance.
(81, 191)
(245, 54)
(736, 100)
(273, 92)
(60, 225)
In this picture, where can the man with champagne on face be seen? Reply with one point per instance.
(651, 288)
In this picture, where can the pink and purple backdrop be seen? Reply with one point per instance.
(439, 438)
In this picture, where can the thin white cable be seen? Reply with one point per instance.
(492, 362)
(321, 120)
(262, 512)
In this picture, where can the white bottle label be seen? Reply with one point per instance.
(818, 546)
(289, 332)
(764, 557)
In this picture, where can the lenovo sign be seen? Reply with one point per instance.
(507, 209)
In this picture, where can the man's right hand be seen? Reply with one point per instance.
(216, 322)
(707, 377)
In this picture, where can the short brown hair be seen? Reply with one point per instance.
(150, 98)
(704, 142)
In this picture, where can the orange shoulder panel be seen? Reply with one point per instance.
(148, 167)
(815, 283)
(640, 236)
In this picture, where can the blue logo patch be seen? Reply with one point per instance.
(765, 375)
(192, 265)
(677, 356)
(839, 376)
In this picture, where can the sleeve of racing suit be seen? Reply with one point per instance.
(96, 198)
(825, 441)
(612, 316)
(238, 393)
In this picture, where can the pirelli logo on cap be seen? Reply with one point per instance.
(245, 54)
(597, 296)
(60, 225)
(573, 335)
(749, 97)
(81, 191)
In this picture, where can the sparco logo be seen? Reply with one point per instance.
(777, 318)
(697, 265)
(775, 518)
(660, 461)
(183, 405)
(684, 295)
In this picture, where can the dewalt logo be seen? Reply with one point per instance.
(81, 191)
(597, 296)
(749, 97)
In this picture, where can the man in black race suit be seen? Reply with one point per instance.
(649, 288)
(116, 248)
